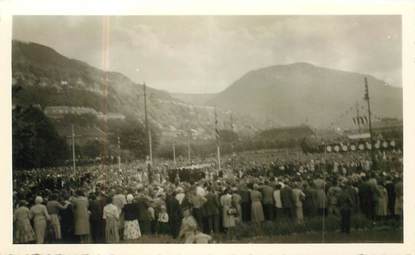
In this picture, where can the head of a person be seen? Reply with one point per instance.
(130, 198)
(108, 200)
(80, 193)
(186, 212)
(38, 200)
(23, 203)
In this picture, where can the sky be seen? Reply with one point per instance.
(206, 54)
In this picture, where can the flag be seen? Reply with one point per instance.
(216, 128)
(360, 120)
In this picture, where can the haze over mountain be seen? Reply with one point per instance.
(281, 95)
(50, 79)
(301, 93)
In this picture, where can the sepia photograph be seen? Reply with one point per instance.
(236, 129)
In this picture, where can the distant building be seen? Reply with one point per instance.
(58, 112)
(286, 133)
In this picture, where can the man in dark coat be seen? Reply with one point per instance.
(366, 197)
(175, 214)
(345, 204)
(211, 209)
(97, 223)
(245, 203)
(268, 201)
(144, 217)
(287, 199)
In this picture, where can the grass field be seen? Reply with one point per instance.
(364, 236)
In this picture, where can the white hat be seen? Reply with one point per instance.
(130, 198)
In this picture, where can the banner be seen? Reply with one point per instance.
(360, 146)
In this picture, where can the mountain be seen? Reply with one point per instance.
(62, 86)
(302, 93)
(193, 98)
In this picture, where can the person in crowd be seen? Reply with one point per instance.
(111, 215)
(80, 206)
(367, 196)
(277, 202)
(96, 207)
(54, 208)
(119, 201)
(298, 197)
(23, 229)
(245, 203)
(211, 211)
(320, 194)
(345, 203)
(267, 201)
(229, 213)
(67, 220)
(381, 202)
(188, 227)
(310, 201)
(287, 199)
(163, 221)
(332, 198)
(174, 212)
(198, 200)
(131, 224)
(257, 212)
(236, 201)
(399, 197)
(39, 214)
(144, 216)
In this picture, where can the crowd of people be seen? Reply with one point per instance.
(107, 204)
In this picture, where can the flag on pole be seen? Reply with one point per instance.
(361, 120)
(217, 134)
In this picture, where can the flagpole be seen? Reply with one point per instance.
(367, 98)
(174, 154)
(119, 153)
(217, 140)
(73, 149)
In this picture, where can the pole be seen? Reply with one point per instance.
(146, 120)
(73, 149)
(358, 116)
(367, 98)
(119, 153)
(188, 147)
(174, 154)
(150, 146)
(217, 140)
(218, 151)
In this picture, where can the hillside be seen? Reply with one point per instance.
(49, 79)
(301, 93)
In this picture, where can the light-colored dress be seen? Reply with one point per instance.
(229, 219)
(81, 215)
(111, 216)
(298, 196)
(23, 229)
(40, 215)
(188, 229)
(382, 201)
(53, 210)
(257, 212)
(236, 200)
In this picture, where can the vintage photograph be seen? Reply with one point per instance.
(207, 129)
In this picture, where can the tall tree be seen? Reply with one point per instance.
(36, 143)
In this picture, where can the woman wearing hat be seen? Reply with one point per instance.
(111, 215)
(24, 232)
(131, 226)
(189, 226)
(257, 212)
(40, 215)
